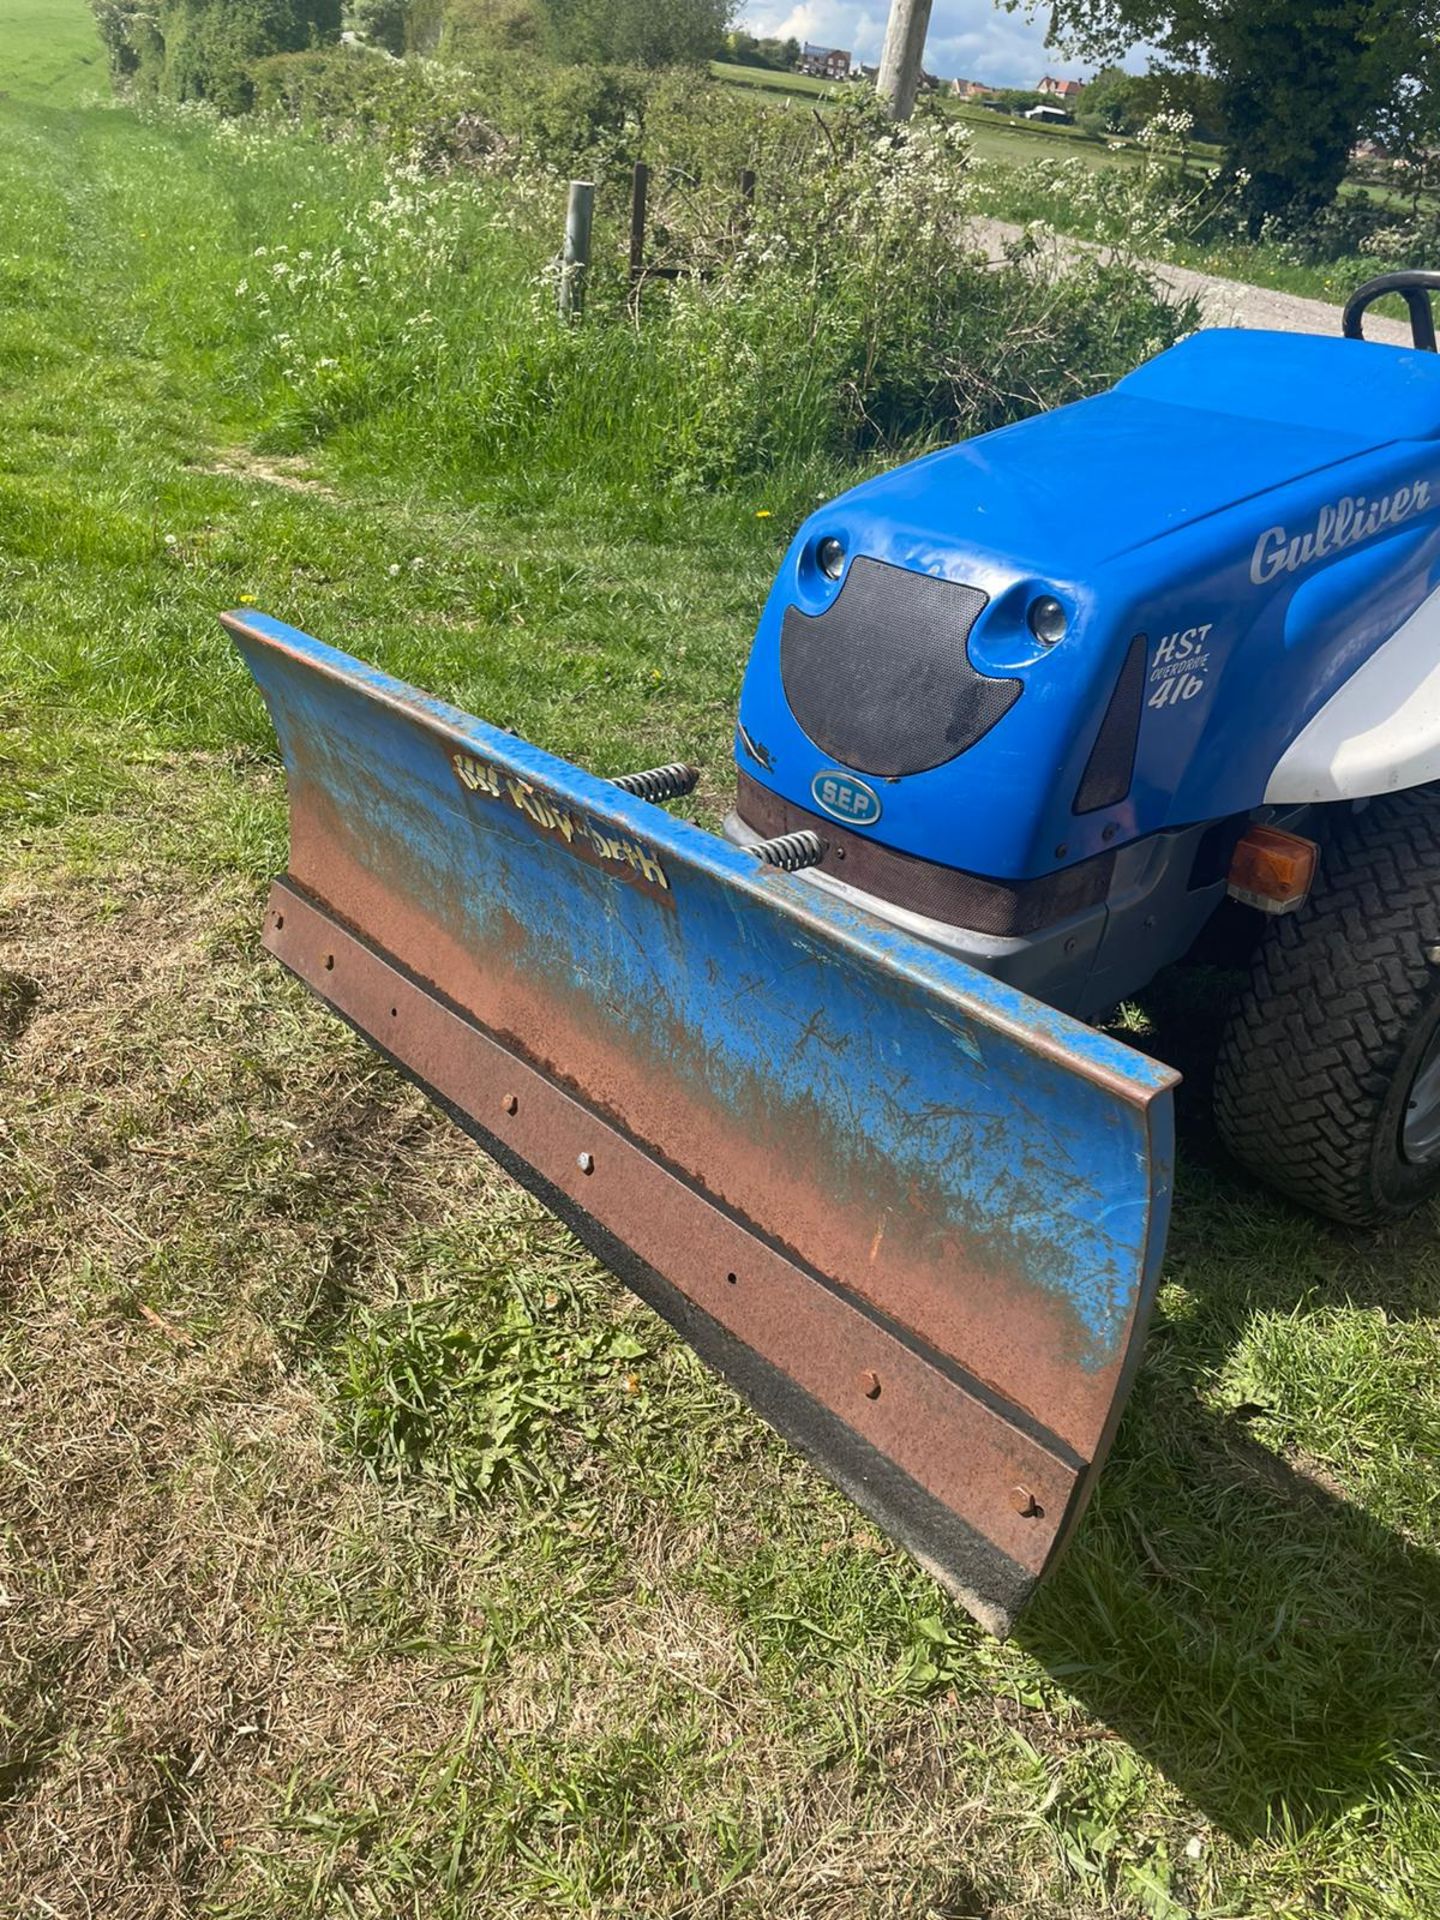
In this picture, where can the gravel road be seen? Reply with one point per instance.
(1230, 303)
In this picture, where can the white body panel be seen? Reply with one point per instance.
(1381, 732)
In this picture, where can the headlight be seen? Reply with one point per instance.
(1046, 619)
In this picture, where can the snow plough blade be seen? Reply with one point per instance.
(914, 1216)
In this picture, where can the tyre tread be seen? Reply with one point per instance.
(1310, 1050)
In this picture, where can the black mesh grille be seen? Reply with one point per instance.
(1111, 766)
(882, 680)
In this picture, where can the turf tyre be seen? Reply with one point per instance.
(1320, 1050)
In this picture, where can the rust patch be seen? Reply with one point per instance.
(960, 1297)
(960, 1450)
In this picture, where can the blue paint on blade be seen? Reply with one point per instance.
(816, 1029)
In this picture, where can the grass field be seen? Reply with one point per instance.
(50, 53)
(994, 137)
(607, 1646)
(795, 86)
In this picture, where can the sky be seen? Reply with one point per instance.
(968, 39)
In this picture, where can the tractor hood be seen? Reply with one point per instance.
(1222, 538)
(1218, 420)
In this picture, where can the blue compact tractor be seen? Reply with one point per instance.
(1056, 700)
(1025, 722)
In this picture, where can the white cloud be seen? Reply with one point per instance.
(970, 38)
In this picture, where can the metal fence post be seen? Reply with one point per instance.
(575, 263)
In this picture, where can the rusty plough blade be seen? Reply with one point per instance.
(914, 1216)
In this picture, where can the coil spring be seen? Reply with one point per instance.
(660, 783)
(791, 851)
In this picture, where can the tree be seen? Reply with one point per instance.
(382, 22)
(1299, 80)
(1109, 103)
(204, 49)
(641, 33)
(477, 31)
(131, 35)
(1168, 89)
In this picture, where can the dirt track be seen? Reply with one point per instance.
(1232, 303)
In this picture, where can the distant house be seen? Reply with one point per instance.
(1067, 90)
(971, 90)
(872, 74)
(824, 63)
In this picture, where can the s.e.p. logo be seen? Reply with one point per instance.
(845, 798)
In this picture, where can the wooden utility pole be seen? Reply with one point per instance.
(900, 62)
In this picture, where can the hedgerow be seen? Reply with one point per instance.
(847, 311)
(205, 49)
